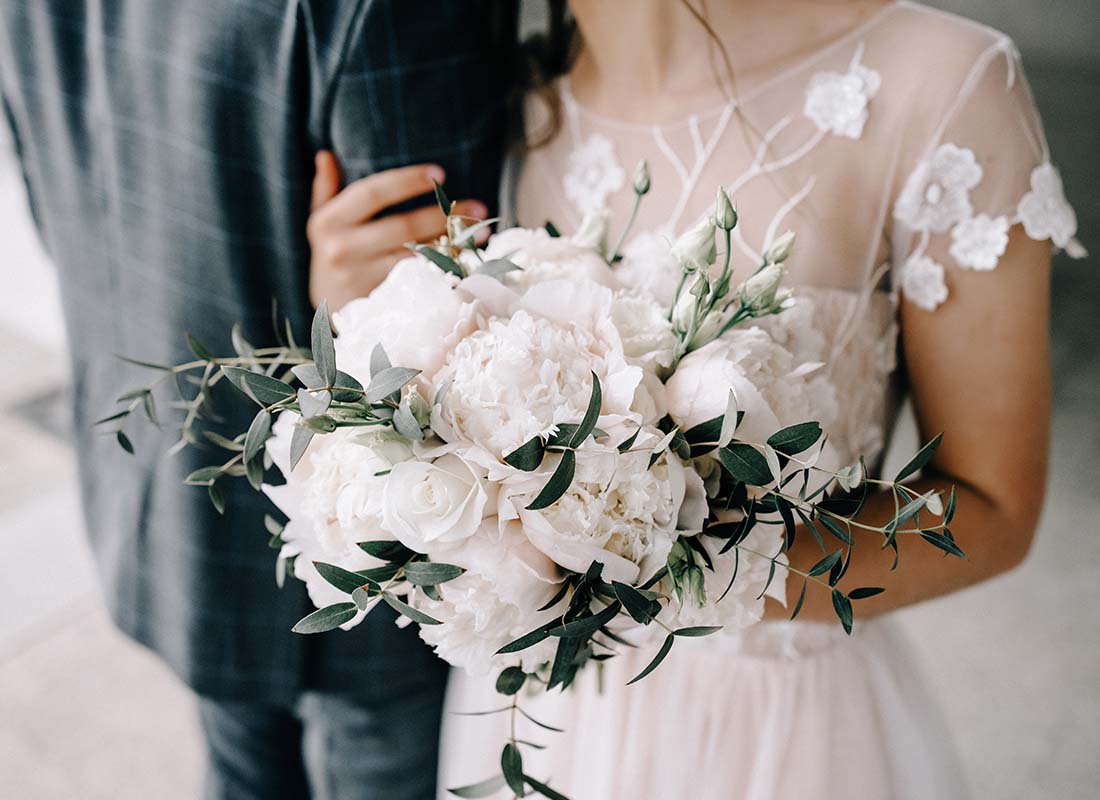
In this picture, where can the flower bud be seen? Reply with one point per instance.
(593, 230)
(684, 311)
(724, 214)
(759, 292)
(641, 178)
(780, 249)
(695, 250)
(419, 407)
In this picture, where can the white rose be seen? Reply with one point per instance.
(415, 314)
(428, 503)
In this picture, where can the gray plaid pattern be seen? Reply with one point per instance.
(167, 147)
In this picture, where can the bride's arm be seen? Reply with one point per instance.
(979, 372)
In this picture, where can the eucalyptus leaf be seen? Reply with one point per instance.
(327, 618)
(943, 543)
(198, 348)
(498, 268)
(430, 573)
(697, 630)
(865, 592)
(657, 659)
(441, 198)
(628, 442)
(510, 681)
(543, 789)
(347, 582)
(528, 456)
(584, 627)
(511, 764)
(378, 360)
(801, 600)
(406, 610)
(825, 564)
(217, 499)
(258, 433)
(796, 438)
(124, 442)
(591, 414)
(324, 349)
(264, 390)
(745, 463)
(387, 550)
(404, 422)
(843, 608)
(204, 476)
(641, 608)
(474, 791)
(445, 263)
(525, 641)
(299, 441)
(388, 381)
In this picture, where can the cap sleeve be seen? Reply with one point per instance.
(985, 169)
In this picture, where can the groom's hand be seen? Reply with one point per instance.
(352, 248)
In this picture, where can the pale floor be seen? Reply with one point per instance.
(85, 714)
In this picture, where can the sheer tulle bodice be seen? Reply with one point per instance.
(899, 153)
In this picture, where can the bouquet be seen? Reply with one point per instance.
(530, 453)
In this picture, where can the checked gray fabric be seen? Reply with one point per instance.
(167, 146)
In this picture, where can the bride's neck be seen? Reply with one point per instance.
(659, 52)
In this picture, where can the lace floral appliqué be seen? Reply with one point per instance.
(837, 101)
(1046, 214)
(937, 194)
(594, 173)
(922, 282)
(980, 241)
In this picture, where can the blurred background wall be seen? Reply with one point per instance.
(84, 714)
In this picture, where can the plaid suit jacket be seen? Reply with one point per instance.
(167, 148)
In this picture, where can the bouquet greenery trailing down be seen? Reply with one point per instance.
(539, 462)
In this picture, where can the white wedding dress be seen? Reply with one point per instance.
(900, 153)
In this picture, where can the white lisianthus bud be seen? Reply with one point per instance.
(695, 250)
(419, 407)
(759, 292)
(724, 214)
(641, 178)
(780, 249)
(387, 444)
(684, 311)
(593, 230)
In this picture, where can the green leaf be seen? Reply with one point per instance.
(258, 433)
(564, 668)
(124, 442)
(920, 460)
(943, 543)
(628, 442)
(299, 441)
(311, 378)
(430, 573)
(379, 360)
(525, 641)
(843, 608)
(203, 476)
(510, 681)
(801, 600)
(558, 483)
(584, 627)
(344, 580)
(656, 660)
(641, 608)
(697, 630)
(445, 263)
(796, 438)
(198, 348)
(835, 528)
(408, 611)
(389, 381)
(241, 346)
(312, 403)
(226, 444)
(543, 789)
(511, 764)
(745, 463)
(111, 418)
(949, 510)
(591, 414)
(405, 423)
(441, 198)
(324, 350)
(273, 526)
(552, 229)
(485, 788)
(387, 550)
(327, 618)
(264, 390)
(498, 268)
(217, 499)
(825, 564)
(528, 456)
(864, 592)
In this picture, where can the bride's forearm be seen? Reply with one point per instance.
(993, 543)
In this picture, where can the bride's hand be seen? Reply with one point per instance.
(352, 248)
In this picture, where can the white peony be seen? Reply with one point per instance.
(644, 328)
(543, 257)
(770, 388)
(426, 503)
(617, 511)
(648, 264)
(522, 376)
(415, 314)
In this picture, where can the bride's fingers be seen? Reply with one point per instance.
(421, 225)
(367, 197)
(326, 179)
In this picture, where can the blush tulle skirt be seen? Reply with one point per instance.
(787, 711)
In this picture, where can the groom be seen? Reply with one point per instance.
(167, 146)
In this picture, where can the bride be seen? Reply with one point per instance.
(902, 145)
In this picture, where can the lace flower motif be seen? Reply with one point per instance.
(1046, 214)
(937, 193)
(979, 242)
(593, 174)
(837, 101)
(922, 282)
